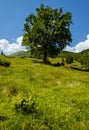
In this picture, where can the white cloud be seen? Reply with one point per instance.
(10, 48)
(79, 47)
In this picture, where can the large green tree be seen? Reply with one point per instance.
(47, 31)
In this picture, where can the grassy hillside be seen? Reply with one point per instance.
(34, 96)
(22, 54)
(85, 51)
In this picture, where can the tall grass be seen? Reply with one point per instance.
(34, 96)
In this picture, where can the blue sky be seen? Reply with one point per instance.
(13, 14)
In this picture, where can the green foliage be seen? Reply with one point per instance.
(47, 32)
(25, 103)
(4, 61)
(85, 60)
(69, 59)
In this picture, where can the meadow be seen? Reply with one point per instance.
(34, 96)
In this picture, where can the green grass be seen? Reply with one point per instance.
(34, 96)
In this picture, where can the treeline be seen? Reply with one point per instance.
(82, 58)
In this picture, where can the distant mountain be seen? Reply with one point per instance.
(85, 51)
(21, 54)
(76, 56)
(66, 53)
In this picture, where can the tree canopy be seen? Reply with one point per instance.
(47, 32)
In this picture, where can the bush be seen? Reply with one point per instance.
(85, 60)
(69, 59)
(4, 62)
(25, 104)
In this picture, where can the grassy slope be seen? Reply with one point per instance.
(61, 97)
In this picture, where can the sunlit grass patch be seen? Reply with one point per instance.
(60, 94)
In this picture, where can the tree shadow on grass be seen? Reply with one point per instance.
(80, 69)
(58, 65)
(37, 61)
(48, 63)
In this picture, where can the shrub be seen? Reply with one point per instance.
(85, 60)
(69, 59)
(25, 104)
(4, 62)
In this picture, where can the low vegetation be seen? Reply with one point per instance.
(4, 61)
(34, 96)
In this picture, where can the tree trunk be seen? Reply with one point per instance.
(45, 55)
